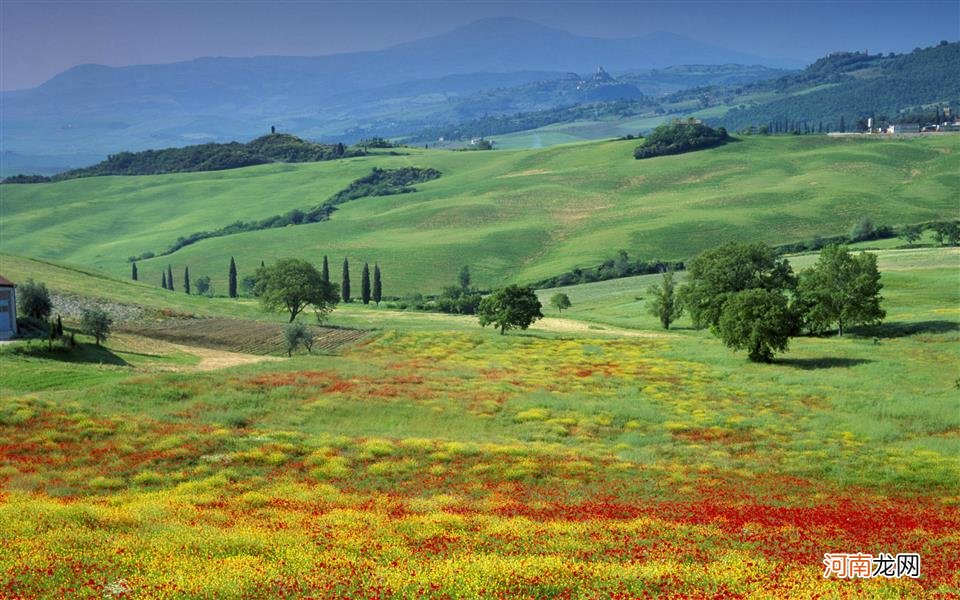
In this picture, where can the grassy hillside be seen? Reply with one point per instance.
(510, 215)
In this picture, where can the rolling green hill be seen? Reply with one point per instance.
(510, 215)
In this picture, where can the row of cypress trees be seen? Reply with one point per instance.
(368, 291)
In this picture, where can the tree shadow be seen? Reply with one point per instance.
(898, 329)
(829, 362)
(84, 353)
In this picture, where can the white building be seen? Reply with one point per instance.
(903, 128)
(8, 309)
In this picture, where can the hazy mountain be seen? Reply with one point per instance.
(94, 109)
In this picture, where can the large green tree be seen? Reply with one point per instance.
(365, 284)
(510, 307)
(664, 302)
(292, 285)
(757, 320)
(34, 299)
(841, 289)
(734, 267)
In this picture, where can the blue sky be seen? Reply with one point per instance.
(40, 39)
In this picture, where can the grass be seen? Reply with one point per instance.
(439, 459)
(512, 215)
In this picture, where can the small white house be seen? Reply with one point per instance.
(8, 309)
(904, 128)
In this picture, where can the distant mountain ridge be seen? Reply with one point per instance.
(94, 109)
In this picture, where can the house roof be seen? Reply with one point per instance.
(4, 282)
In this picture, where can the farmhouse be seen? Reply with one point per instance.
(8, 309)
(903, 128)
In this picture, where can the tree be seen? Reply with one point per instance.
(293, 284)
(946, 233)
(377, 286)
(249, 284)
(296, 334)
(163, 279)
(133, 271)
(34, 300)
(96, 322)
(59, 327)
(910, 234)
(464, 277)
(170, 278)
(560, 301)
(456, 300)
(326, 269)
(863, 230)
(186, 280)
(345, 282)
(231, 279)
(510, 307)
(720, 272)
(757, 320)
(204, 287)
(664, 303)
(841, 289)
(365, 284)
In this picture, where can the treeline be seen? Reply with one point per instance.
(380, 182)
(902, 85)
(864, 230)
(503, 124)
(679, 137)
(278, 147)
(612, 268)
(371, 287)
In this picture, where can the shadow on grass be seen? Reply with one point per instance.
(85, 353)
(830, 362)
(898, 329)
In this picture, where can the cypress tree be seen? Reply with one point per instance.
(262, 264)
(186, 280)
(345, 282)
(843, 126)
(232, 279)
(133, 271)
(170, 278)
(163, 280)
(59, 327)
(377, 290)
(325, 273)
(365, 284)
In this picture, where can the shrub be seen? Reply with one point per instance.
(34, 300)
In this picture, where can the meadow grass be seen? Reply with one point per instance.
(436, 458)
(512, 215)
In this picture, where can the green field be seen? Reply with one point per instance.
(593, 454)
(510, 215)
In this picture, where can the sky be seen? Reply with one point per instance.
(41, 39)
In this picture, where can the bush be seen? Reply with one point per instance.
(680, 137)
(295, 335)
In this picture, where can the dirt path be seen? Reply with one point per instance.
(573, 326)
(211, 360)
